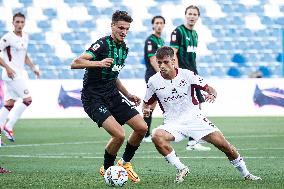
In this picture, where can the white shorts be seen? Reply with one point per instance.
(16, 89)
(195, 125)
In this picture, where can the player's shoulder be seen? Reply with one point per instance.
(177, 29)
(7, 35)
(155, 78)
(185, 72)
(149, 39)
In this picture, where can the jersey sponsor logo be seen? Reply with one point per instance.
(95, 47)
(174, 97)
(117, 68)
(191, 49)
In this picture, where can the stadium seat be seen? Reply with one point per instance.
(234, 72)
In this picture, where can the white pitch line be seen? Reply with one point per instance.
(137, 157)
(104, 142)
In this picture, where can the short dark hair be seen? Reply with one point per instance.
(164, 51)
(18, 14)
(121, 16)
(192, 7)
(156, 17)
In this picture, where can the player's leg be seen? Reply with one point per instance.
(4, 113)
(192, 144)
(20, 90)
(117, 138)
(17, 112)
(97, 109)
(139, 129)
(217, 139)
(148, 120)
(162, 139)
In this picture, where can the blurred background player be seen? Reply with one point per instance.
(101, 96)
(152, 43)
(172, 87)
(184, 42)
(13, 46)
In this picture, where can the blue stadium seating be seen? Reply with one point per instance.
(260, 49)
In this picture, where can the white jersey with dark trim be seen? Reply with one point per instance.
(14, 50)
(176, 97)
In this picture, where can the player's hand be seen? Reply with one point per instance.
(135, 99)
(36, 71)
(146, 112)
(10, 72)
(106, 63)
(210, 98)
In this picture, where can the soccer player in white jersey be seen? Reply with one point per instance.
(173, 88)
(13, 47)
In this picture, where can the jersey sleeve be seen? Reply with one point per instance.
(196, 80)
(4, 42)
(150, 96)
(175, 39)
(151, 48)
(96, 49)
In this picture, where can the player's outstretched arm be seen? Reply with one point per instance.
(84, 61)
(130, 97)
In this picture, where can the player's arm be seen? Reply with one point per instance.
(84, 61)
(10, 72)
(175, 44)
(153, 62)
(4, 43)
(129, 96)
(175, 56)
(32, 66)
(149, 99)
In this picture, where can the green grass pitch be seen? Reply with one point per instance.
(67, 153)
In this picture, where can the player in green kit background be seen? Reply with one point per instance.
(184, 41)
(152, 43)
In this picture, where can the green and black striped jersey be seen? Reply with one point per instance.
(151, 46)
(185, 41)
(103, 48)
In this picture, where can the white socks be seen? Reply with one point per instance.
(174, 160)
(15, 114)
(241, 166)
(3, 115)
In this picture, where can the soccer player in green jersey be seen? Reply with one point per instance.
(184, 41)
(152, 43)
(101, 94)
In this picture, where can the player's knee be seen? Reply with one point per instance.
(27, 102)
(157, 137)
(120, 137)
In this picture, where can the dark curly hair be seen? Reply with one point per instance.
(121, 16)
(164, 51)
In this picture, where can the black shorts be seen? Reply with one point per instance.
(99, 108)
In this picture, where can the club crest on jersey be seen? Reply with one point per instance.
(149, 47)
(95, 47)
(174, 37)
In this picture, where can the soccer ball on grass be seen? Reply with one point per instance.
(115, 176)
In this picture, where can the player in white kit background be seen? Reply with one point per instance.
(174, 89)
(13, 47)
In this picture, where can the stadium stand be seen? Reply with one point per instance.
(235, 37)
